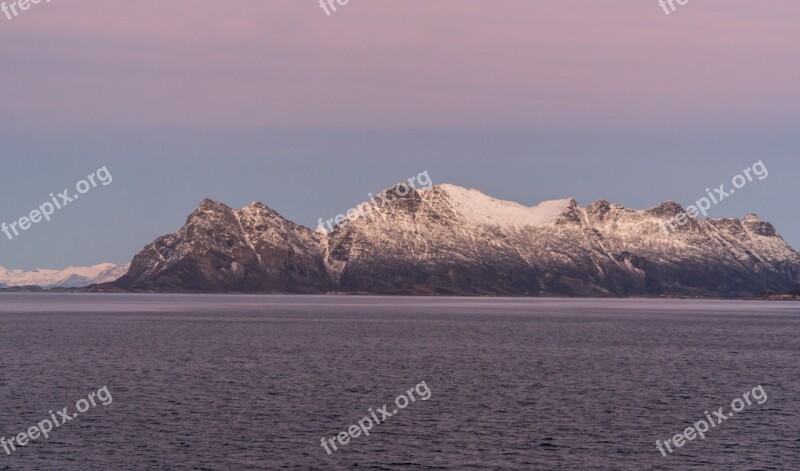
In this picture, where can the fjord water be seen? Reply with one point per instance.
(228, 382)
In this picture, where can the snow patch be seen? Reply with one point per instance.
(480, 209)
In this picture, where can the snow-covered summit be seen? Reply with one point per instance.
(480, 209)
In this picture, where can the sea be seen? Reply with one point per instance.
(263, 382)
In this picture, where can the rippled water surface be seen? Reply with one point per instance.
(254, 382)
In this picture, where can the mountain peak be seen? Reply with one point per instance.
(480, 209)
(667, 209)
(754, 224)
(208, 203)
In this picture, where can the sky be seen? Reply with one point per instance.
(275, 101)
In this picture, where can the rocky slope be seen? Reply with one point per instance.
(253, 249)
(451, 240)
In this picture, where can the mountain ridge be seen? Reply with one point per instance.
(451, 240)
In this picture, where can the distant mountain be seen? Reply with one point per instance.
(72, 277)
(454, 241)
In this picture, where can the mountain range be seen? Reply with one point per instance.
(72, 277)
(449, 240)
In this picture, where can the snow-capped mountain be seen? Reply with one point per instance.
(451, 240)
(72, 277)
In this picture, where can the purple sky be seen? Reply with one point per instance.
(272, 100)
(518, 64)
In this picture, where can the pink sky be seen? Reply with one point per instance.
(511, 64)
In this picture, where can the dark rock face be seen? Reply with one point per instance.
(669, 209)
(451, 241)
